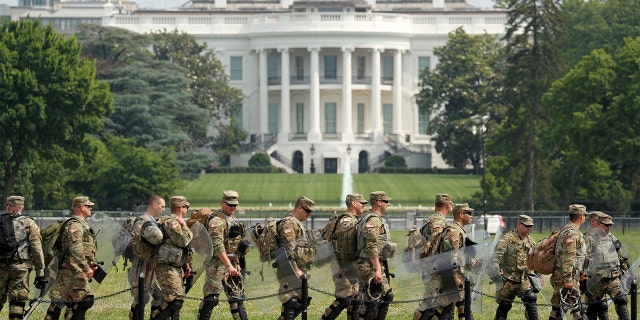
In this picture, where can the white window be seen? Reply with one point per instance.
(360, 118)
(423, 62)
(387, 68)
(300, 118)
(273, 118)
(423, 121)
(330, 67)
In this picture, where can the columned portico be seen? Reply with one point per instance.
(347, 108)
(285, 93)
(314, 96)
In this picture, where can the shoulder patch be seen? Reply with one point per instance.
(569, 240)
(288, 230)
(175, 225)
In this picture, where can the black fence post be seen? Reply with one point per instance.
(467, 298)
(634, 299)
(305, 296)
(140, 311)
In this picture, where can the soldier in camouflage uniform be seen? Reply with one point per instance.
(603, 267)
(299, 245)
(16, 265)
(431, 230)
(77, 265)
(345, 276)
(146, 228)
(511, 259)
(568, 269)
(174, 256)
(227, 236)
(375, 247)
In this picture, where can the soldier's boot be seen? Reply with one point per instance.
(529, 299)
(592, 310)
(352, 310)
(503, 309)
(206, 306)
(369, 311)
(168, 310)
(238, 312)
(78, 310)
(462, 315)
(16, 310)
(620, 302)
(334, 310)
(301, 307)
(289, 309)
(555, 313)
(385, 301)
(133, 311)
(154, 310)
(53, 312)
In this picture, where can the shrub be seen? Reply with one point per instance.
(395, 162)
(259, 159)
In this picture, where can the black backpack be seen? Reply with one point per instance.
(9, 244)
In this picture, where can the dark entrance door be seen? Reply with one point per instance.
(297, 162)
(330, 165)
(363, 162)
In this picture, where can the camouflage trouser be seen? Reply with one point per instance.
(214, 277)
(145, 267)
(610, 286)
(170, 282)
(512, 289)
(286, 291)
(365, 273)
(14, 287)
(70, 286)
(345, 278)
(434, 297)
(558, 284)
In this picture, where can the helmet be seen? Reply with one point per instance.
(375, 290)
(233, 285)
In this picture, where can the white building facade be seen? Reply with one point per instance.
(328, 82)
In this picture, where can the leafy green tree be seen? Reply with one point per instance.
(464, 83)
(50, 99)
(395, 162)
(227, 141)
(260, 159)
(534, 29)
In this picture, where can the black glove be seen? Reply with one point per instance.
(40, 282)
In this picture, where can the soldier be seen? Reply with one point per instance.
(511, 259)
(298, 244)
(17, 260)
(77, 267)
(174, 255)
(374, 248)
(603, 269)
(431, 230)
(345, 276)
(454, 238)
(568, 268)
(229, 244)
(146, 228)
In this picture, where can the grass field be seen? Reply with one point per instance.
(207, 189)
(117, 306)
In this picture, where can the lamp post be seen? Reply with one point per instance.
(479, 127)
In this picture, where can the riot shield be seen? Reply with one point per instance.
(602, 259)
(203, 252)
(40, 295)
(104, 227)
(283, 264)
(487, 276)
(631, 256)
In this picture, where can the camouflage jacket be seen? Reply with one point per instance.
(151, 231)
(78, 244)
(298, 242)
(219, 226)
(571, 252)
(602, 258)
(431, 230)
(174, 248)
(29, 252)
(373, 236)
(511, 255)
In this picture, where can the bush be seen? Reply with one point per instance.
(259, 159)
(395, 162)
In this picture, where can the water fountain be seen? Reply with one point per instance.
(347, 179)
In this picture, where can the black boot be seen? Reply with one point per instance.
(334, 310)
(352, 311)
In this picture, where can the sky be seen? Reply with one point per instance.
(160, 4)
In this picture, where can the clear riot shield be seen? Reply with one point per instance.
(602, 258)
(487, 278)
(203, 252)
(631, 256)
(41, 295)
(104, 227)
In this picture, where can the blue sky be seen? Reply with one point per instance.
(158, 4)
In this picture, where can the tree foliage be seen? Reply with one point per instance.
(50, 99)
(259, 159)
(464, 83)
(227, 141)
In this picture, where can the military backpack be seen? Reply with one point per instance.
(344, 238)
(542, 257)
(266, 239)
(52, 240)
(9, 245)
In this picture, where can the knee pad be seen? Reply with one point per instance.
(86, 303)
(602, 305)
(388, 297)
(176, 305)
(529, 296)
(210, 301)
(504, 306)
(620, 299)
(343, 302)
(291, 303)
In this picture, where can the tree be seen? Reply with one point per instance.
(227, 141)
(50, 99)
(534, 29)
(465, 82)
(260, 159)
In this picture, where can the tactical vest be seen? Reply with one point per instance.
(22, 231)
(604, 260)
(305, 250)
(234, 232)
(169, 253)
(386, 248)
(431, 238)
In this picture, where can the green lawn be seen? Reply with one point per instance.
(261, 306)
(326, 189)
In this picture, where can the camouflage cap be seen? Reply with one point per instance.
(230, 196)
(603, 218)
(379, 195)
(462, 207)
(443, 198)
(525, 219)
(81, 201)
(577, 209)
(356, 197)
(178, 201)
(306, 203)
(15, 200)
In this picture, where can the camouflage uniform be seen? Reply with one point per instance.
(604, 271)
(571, 252)
(294, 236)
(374, 240)
(14, 280)
(148, 228)
(173, 254)
(511, 256)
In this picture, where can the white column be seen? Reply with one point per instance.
(314, 96)
(347, 108)
(376, 108)
(397, 93)
(285, 96)
(264, 93)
